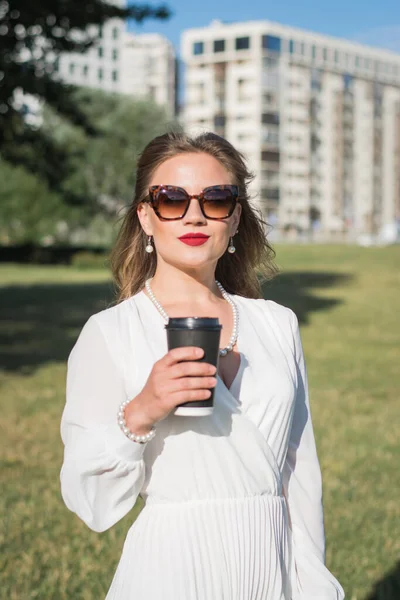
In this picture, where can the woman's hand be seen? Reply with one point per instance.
(176, 378)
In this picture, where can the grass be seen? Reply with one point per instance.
(346, 299)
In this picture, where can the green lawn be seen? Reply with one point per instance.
(347, 302)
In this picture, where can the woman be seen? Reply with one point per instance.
(233, 500)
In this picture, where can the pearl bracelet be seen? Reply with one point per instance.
(141, 439)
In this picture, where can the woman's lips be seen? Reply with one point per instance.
(194, 240)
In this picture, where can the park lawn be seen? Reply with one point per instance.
(346, 299)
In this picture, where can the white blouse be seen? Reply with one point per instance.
(254, 460)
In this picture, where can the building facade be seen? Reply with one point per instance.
(318, 119)
(100, 66)
(141, 66)
(148, 69)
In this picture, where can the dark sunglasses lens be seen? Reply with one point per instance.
(171, 203)
(218, 203)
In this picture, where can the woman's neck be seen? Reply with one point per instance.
(171, 285)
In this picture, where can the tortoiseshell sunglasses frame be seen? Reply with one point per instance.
(154, 189)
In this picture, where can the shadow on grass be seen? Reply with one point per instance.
(387, 588)
(297, 289)
(40, 323)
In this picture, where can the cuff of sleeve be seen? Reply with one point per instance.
(121, 445)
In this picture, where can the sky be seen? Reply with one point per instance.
(369, 21)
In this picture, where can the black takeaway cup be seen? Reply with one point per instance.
(203, 332)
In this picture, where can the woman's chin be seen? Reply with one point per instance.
(190, 260)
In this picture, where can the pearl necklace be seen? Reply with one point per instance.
(235, 330)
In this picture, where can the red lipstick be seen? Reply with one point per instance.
(194, 239)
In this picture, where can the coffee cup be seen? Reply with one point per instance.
(202, 332)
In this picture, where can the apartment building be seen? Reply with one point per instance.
(318, 119)
(148, 69)
(141, 65)
(100, 66)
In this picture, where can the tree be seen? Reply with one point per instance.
(99, 173)
(102, 168)
(29, 210)
(32, 35)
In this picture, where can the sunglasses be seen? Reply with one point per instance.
(171, 203)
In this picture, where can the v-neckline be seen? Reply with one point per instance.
(230, 388)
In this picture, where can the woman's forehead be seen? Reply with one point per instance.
(193, 172)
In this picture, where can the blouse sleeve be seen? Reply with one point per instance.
(103, 471)
(303, 490)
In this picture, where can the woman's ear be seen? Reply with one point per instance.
(236, 218)
(144, 218)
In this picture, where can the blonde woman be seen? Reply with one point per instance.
(232, 500)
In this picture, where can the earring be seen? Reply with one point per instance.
(149, 247)
(231, 247)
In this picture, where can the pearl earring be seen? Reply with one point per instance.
(149, 247)
(231, 247)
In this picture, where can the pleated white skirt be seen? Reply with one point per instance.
(214, 549)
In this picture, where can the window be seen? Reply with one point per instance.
(325, 54)
(270, 118)
(71, 68)
(100, 74)
(219, 45)
(115, 33)
(358, 61)
(115, 54)
(316, 78)
(219, 121)
(198, 48)
(269, 156)
(336, 57)
(100, 52)
(100, 32)
(270, 193)
(242, 43)
(85, 70)
(291, 46)
(115, 75)
(302, 48)
(314, 52)
(271, 42)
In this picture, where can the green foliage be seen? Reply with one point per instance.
(102, 168)
(29, 210)
(33, 35)
(65, 167)
(98, 173)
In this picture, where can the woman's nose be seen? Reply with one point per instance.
(194, 213)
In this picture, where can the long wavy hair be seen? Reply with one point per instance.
(240, 273)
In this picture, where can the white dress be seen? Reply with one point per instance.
(233, 500)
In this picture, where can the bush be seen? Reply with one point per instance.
(90, 260)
